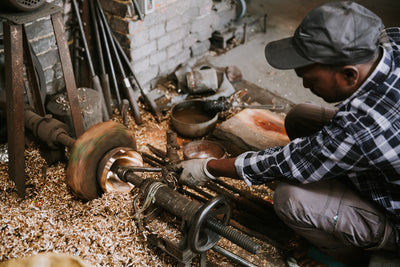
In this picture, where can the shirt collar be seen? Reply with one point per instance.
(379, 75)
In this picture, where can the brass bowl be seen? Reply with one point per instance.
(191, 118)
(203, 149)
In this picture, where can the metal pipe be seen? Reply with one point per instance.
(127, 85)
(179, 205)
(124, 112)
(95, 78)
(108, 56)
(232, 256)
(157, 152)
(149, 102)
(105, 83)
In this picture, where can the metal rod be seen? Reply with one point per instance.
(157, 152)
(270, 107)
(156, 160)
(143, 169)
(232, 256)
(105, 83)
(127, 85)
(95, 78)
(179, 205)
(149, 102)
(233, 235)
(108, 56)
(124, 112)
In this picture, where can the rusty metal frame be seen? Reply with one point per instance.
(68, 72)
(13, 56)
(15, 49)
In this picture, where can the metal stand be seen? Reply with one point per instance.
(16, 47)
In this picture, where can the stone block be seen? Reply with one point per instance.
(43, 44)
(140, 65)
(202, 27)
(205, 9)
(178, 34)
(174, 23)
(38, 29)
(49, 75)
(140, 38)
(174, 49)
(158, 58)
(143, 51)
(49, 58)
(200, 48)
(189, 41)
(147, 75)
(156, 31)
(183, 57)
(164, 41)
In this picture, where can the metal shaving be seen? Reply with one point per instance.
(4, 153)
(101, 232)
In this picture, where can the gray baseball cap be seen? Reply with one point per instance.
(336, 33)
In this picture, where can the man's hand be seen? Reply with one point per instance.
(194, 172)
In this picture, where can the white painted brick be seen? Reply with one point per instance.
(148, 74)
(156, 31)
(164, 41)
(140, 65)
(143, 51)
(139, 38)
(158, 57)
(174, 23)
(175, 49)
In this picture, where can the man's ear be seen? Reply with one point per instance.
(350, 74)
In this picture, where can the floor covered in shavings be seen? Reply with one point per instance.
(101, 232)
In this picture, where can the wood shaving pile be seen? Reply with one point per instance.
(101, 232)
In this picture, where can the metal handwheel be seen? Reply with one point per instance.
(219, 205)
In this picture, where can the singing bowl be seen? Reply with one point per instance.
(191, 118)
(203, 149)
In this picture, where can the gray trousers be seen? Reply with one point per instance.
(329, 214)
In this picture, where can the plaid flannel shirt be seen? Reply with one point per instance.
(360, 143)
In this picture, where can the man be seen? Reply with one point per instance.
(340, 174)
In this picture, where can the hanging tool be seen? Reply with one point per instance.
(105, 82)
(127, 85)
(108, 56)
(149, 102)
(95, 78)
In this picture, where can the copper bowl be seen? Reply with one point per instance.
(203, 149)
(191, 118)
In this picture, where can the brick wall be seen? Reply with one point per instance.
(176, 32)
(41, 36)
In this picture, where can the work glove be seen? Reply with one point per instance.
(194, 172)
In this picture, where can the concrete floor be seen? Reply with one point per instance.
(283, 18)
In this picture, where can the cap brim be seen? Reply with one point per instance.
(282, 55)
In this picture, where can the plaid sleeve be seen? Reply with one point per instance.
(330, 153)
(247, 162)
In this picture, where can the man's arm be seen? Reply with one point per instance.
(223, 168)
(199, 171)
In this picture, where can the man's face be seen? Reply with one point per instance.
(323, 82)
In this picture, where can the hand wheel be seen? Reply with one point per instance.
(200, 238)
